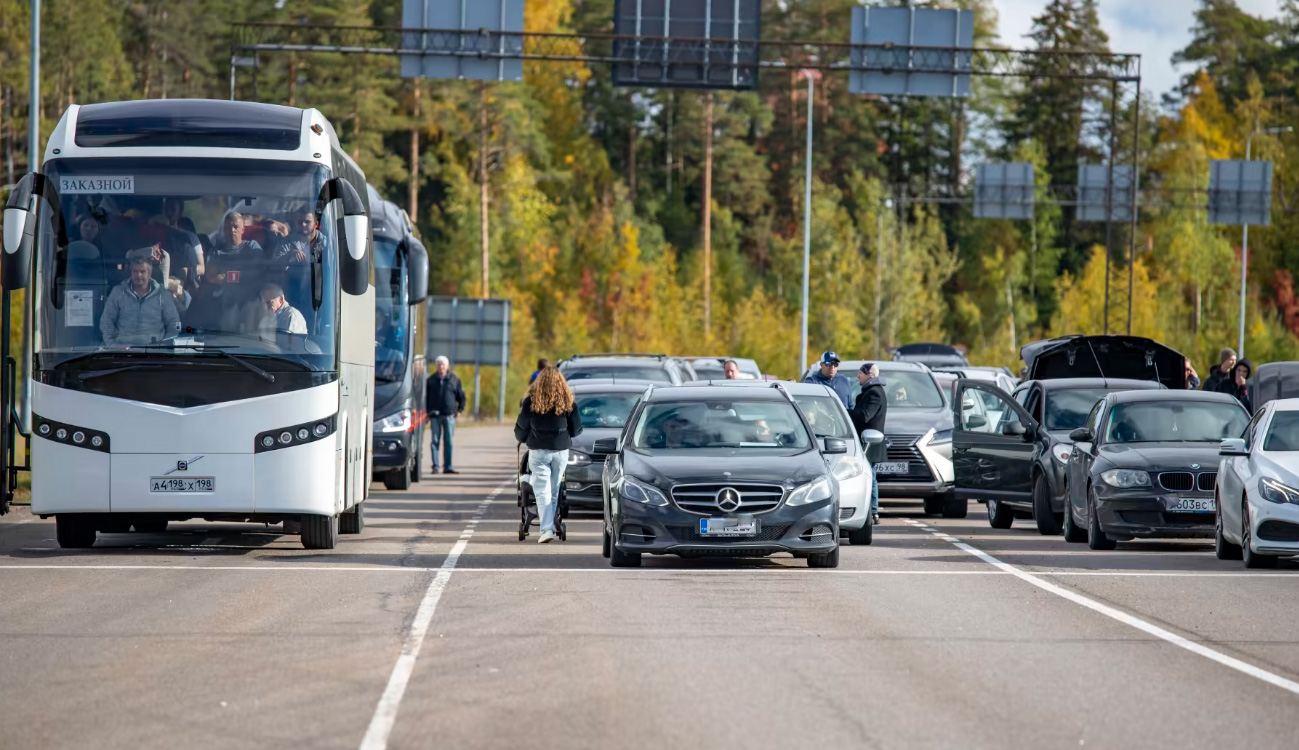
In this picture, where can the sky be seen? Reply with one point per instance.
(1155, 29)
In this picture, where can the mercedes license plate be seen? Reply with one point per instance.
(182, 484)
(727, 527)
(1192, 505)
(892, 467)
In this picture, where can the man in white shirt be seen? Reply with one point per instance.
(278, 316)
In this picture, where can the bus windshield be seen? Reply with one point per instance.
(391, 312)
(175, 255)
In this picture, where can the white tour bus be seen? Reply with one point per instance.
(203, 320)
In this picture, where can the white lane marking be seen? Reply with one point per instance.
(1194, 647)
(385, 714)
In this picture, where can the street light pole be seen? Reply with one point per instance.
(879, 269)
(811, 76)
(1244, 242)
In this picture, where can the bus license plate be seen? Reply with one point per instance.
(1193, 505)
(182, 484)
(891, 467)
(727, 527)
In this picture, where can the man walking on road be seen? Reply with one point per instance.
(444, 398)
(1222, 371)
(829, 375)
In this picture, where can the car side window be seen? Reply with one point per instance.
(1021, 396)
(1094, 418)
(1034, 405)
(1251, 429)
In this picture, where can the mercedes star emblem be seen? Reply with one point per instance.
(729, 499)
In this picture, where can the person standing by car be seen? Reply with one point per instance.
(547, 423)
(1238, 384)
(731, 369)
(828, 375)
(1221, 371)
(868, 414)
(444, 397)
(1192, 377)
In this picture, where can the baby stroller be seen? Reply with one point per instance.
(527, 501)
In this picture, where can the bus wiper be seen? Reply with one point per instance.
(84, 376)
(264, 375)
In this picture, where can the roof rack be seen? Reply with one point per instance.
(617, 354)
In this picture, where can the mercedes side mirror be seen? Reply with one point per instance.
(835, 446)
(1082, 435)
(605, 446)
(1013, 429)
(871, 437)
(20, 232)
(1233, 447)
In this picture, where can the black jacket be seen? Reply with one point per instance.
(1214, 379)
(869, 413)
(546, 432)
(1228, 386)
(444, 397)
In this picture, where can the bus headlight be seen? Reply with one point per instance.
(288, 437)
(399, 422)
(68, 434)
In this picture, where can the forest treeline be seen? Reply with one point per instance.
(595, 192)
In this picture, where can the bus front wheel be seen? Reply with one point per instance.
(319, 532)
(74, 531)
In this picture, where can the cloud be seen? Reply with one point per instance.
(1154, 30)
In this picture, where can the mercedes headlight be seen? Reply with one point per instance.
(639, 492)
(1062, 452)
(578, 458)
(399, 422)
(1275, 492)
(940, 437)
(1125, 478)
(812, 492)
(849, 467)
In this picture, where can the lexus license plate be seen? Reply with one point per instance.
(1192, 505)
(182, 484)
(892, 467)
(727, 527)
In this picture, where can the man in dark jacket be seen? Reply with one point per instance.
(1221, 372)
(1238, 384)
(828, 375)
(444, 397)
(868, 414)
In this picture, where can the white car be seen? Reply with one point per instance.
(1257, 496)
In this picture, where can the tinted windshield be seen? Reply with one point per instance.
(391, 313)
(1283, 434)
(825, 413)
(1068, 410)
(655, 374)
(1175, 422)
(908, 389)
(605, 409)
(738, 424)
(219, 251)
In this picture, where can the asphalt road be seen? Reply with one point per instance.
(437, 628)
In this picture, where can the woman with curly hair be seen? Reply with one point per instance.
(547, 423)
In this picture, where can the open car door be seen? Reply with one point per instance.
(993, 449)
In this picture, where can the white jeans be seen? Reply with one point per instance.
(547, 469)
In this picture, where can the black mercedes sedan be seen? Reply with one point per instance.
(717, 470)
(604, 407)
(1144, 465)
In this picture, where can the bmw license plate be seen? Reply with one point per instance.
(1192, 505)
(727, 527)
(182, 484)
(892, 467)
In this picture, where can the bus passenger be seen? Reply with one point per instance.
(230, 239)
(303, 242)
(138, 310)
(278, 316)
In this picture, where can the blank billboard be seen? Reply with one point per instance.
(911, 51)
(1240, 193)
(1093, 198)
(468, 42)
(701, 44)
(1004, 191)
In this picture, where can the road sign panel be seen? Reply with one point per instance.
(921, 51)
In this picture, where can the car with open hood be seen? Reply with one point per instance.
(1257, 494)
(720, 471)
(1118, 357)
(1145, 465)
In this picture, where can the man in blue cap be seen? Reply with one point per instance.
(828, 374)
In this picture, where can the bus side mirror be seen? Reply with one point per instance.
(353, 233)
(417, 271)
(19, 233)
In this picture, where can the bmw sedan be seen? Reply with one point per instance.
(720, 471)
(1145, 465)
(1258, 488)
